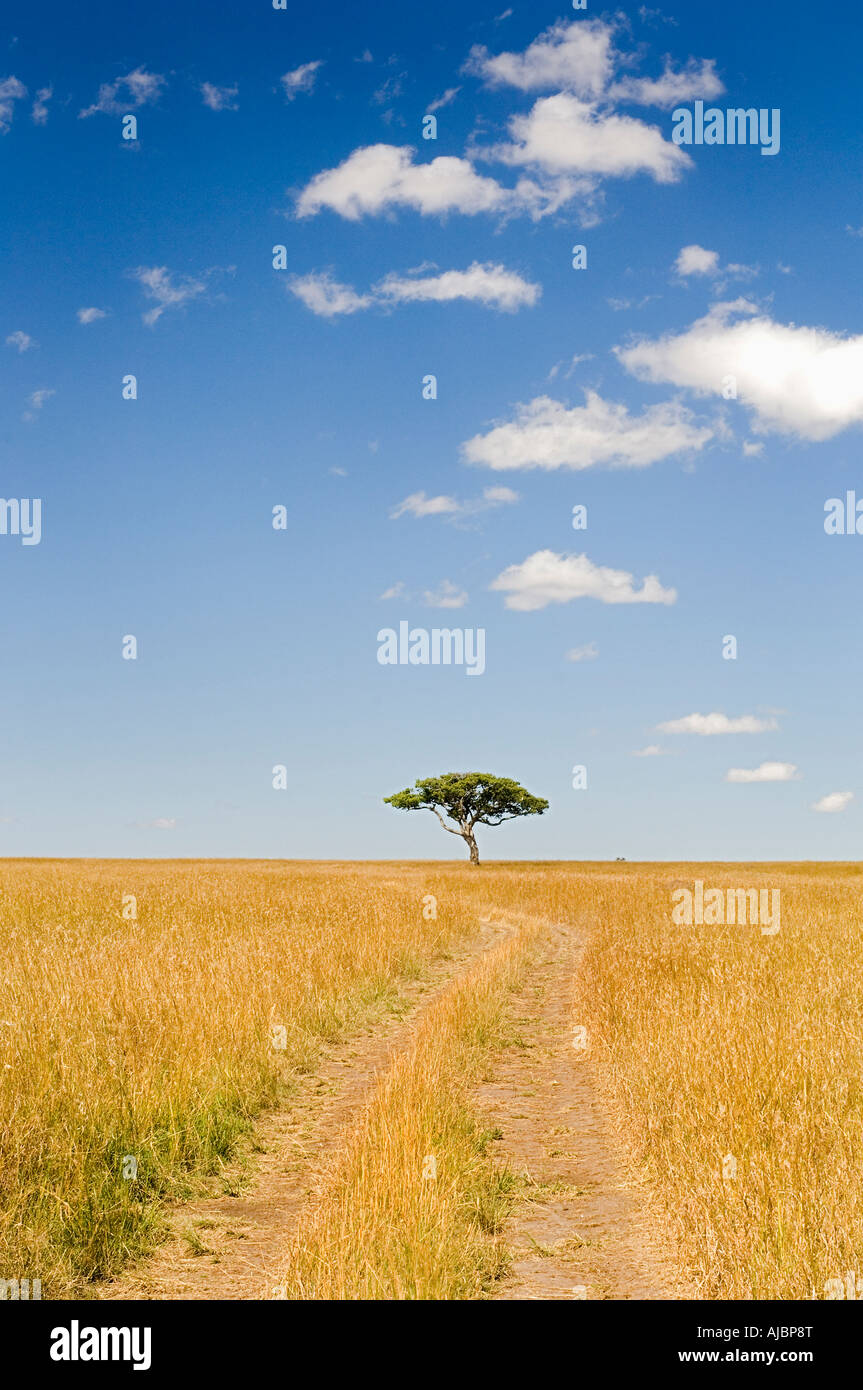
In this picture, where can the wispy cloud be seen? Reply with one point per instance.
(137, 88)
(589, 652)
(35, 401)
(419, 505)
(158, 284)
(301, 80)
(91, 315)
(697, 78)
(40, 105)
(219, 98)
(446, 595)
(396, 590)
(11, 90)
(20, 340)
(710, 724)
(833, 802)
(765, 772)
(326, 296)
(491, 285)
(448, 97)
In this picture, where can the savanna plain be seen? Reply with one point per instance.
(241, 1079)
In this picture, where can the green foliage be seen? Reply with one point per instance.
(470, 798)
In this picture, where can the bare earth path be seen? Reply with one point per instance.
(226, 1246)
(584, 1230)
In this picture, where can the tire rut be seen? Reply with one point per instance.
(227, 1246)
(584, 1228)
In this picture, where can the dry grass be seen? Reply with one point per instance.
(152, 1038)
(722, 1044)
(414, 1207)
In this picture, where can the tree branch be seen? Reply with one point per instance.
(441, 819)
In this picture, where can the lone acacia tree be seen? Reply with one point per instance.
(469, 799)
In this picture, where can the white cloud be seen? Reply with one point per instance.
(162, 823)
(652, 750)
(11, 90)
(301, 79)
(545, 434)
(158, 284)
(377, 177)
(90, 315)
(20, 340)
(36, 400)
(449, 96)
(765, 772)
(796, 380)
(568, 142)
(833, 802)
(545, 578)
(419, 505)
(563, 135)
(492, 285)
(219, 98)
(589, 652)
(577, 57)
(695, 260)
(752, 448)
(447, 595)
(709, 724)
(695, 79)
(394, 591)
(326, 296)
(40, 105)
(137, 88)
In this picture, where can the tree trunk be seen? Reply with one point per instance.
(474, 850)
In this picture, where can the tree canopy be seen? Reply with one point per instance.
(469, 799)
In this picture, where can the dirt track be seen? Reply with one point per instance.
(583, 1229)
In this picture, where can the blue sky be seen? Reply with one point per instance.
(302, 387)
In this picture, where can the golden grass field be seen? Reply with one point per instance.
(162, 1035)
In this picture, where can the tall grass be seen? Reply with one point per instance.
(414, 1207)
(737, 1062)
(158, 1038)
